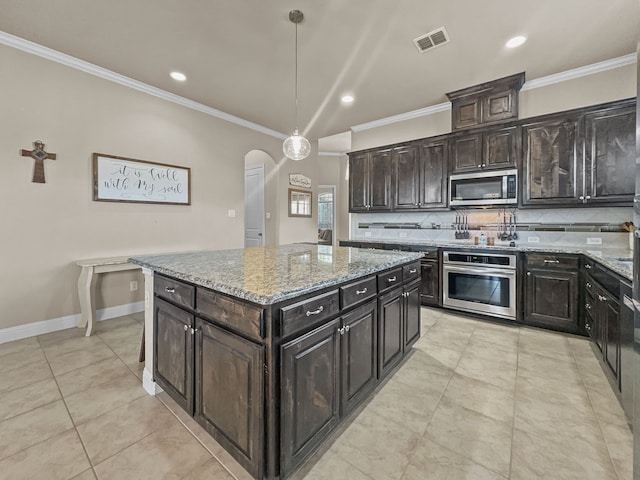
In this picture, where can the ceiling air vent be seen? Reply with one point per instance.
(431, 40)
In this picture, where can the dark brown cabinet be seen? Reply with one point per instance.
(430, 287)
(370, 181)
(492, 149)
(551, 291)
(610, 145)
(229, 392)
(434, 165)
(173, 352)
(411, 315)
(407, 178)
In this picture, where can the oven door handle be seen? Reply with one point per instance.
(479, 271)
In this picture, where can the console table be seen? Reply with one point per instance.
(87, 285)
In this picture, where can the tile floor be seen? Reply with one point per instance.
(475, 400)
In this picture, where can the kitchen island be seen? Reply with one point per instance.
(271, 348)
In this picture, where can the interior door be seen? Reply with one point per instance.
(254, 206)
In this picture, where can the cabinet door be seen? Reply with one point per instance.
(358, 182)
(173, 352)
(434, 157)
(359, 355)
(610, 313)
(390, 331)
(411, 314)
(552, 163)
(610, 149)
(309, 396)
(430, 283)
(380, 164)
(229, 393)
(552, 299)
(500, 148)
(406, 178)
(466, 153)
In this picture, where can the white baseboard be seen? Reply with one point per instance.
(61, 323)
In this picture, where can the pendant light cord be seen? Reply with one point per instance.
(296, 78)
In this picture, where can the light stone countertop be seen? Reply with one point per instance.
(266, 275)
(611, 258)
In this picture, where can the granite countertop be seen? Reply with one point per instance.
(266, 275)
(616, 259)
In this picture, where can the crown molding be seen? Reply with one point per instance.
(69, 61)
(529, 85)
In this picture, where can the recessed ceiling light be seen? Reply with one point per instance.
(347, 99)
(180, 77)
(516, 41)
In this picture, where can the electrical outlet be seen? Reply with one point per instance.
(268, 214)
(594, 241)
(402, 234)
(231, 213)
(533, 239)
(133, 285)
(367, 234)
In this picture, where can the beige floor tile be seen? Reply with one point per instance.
(488, 370)
(166, 454)
(422, 372)
(539, 457)
(211, 470)
(448, 357)
(86, 475)
(107, 434)
(53, 338)
(430, 461)
(472, 435)
(622, 459)
(104, 371)
(116, 323)
(26, 375)
(481, 397)
(128, 353)
(100, 399)
(607, 407)
(73, 344)
(616, 433)
(35, 426)
(417, 405)
(480, 348)
(538, 365)
(332, 467)
(58, 458)
(545, 390)
(546, 344)
(25, 399)
(18, 346)
(138, 316)
(21, 359)
(80, 358)
(137, 368)
(376, 446)
(593, 376)
(125, 334)
(504, 337)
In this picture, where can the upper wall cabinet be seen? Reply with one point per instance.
(610, 150)
(491, 149)
(486, 103)
(370, 181)
(420, 175)
(583, 157)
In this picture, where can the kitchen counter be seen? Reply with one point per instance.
(266, 275)
(617, 260)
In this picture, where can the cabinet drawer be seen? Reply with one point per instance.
(175, 291)
(564, 262)
(310, 312)
(389, 279)
(240, 317)
(359, 291)
(410, 272)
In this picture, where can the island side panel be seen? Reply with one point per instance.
(151, 387)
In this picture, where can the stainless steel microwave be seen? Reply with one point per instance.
(498, 187)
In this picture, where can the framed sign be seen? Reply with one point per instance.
(120, 179)
(299, 180)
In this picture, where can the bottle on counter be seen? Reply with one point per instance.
(482, 240)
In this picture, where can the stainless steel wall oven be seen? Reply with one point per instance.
(480, 283)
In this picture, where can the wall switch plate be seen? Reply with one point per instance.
(367, 234)
(231, 213)
(133, 285)
(402, 234)
(533, 239)
(594, 241)
(268, 214)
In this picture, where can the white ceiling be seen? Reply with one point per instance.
(238, 55)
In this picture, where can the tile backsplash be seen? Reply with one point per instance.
(437, 226)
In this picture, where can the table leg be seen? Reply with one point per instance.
(86, 294)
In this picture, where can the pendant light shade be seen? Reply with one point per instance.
(296, 147)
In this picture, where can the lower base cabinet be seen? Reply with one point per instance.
(325, 374)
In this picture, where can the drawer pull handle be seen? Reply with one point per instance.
(587, 266)
(588, 306)
(170, 289)
(414, 270)
(546, 260)
(361, 292)
(392, 279)
(315, 312)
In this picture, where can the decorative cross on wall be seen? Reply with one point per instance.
(39, 155)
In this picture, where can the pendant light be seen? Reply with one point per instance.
(296, 147)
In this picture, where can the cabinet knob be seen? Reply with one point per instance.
(581, 197)
(479, 165)
(588, 197)
(341, 331)
(186, 327)
(346, 328)
(528, 274)
(587, 306)
(194, 331)
(588, 285)
(315, 312)
(601, 298)
(587, 266)
(484, 165)
(419, 204)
